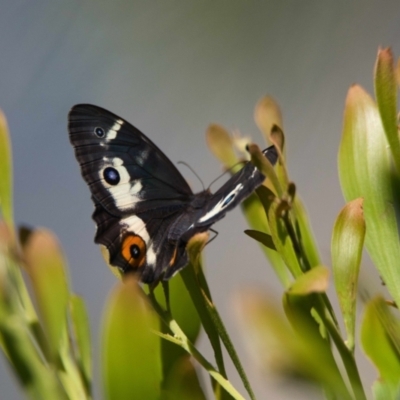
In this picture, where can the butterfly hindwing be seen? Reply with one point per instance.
(235, 190)
(136, 190)
(137, 243)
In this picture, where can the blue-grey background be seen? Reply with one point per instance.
(171, 68)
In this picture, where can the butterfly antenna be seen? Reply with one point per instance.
(194, 172)
(225, 172)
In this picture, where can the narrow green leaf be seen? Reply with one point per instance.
(6, 209)
(304, 233)
(195, 282)
(346, 248)
(279, 232)
(365, 171)
(223, 334)
(194, 248)
(374, 330)
(261, 237)
(46, 269)
(131, 350)
(386, 97)
(257, 220)
(80, 325)
(316, 280)
(38, 381)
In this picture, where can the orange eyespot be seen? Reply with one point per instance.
(134, 250)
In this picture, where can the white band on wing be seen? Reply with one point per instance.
(222, 204)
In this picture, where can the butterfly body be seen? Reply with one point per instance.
(145, 211)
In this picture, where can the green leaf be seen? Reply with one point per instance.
(38, 381)
(380, 327)
(257, 220)
(280, 236)
(346, 248)
(6, 208)
(80, 325)
(305, 233)
(261, 237)
(365, 171)
(131, 349)
(315, 280)
(46, 269)
(386, 97)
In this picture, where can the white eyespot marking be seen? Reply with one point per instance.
(136, 225)
(136, 188)
(125, 193)
(222, 204)
(112, 133)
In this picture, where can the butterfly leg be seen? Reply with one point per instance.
(215, 235)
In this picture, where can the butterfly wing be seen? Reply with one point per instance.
(240, 186)
(126, 172)
(137, 243)
(204, 214)
(138, 193)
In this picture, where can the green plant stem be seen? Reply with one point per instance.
(345, 353)
(181, 339)
(303, 260)
(228, 344)
(218, 325)
(191, 279)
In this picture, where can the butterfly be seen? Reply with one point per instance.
(145, 211)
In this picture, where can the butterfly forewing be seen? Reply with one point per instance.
(234, 191)
(125, 171)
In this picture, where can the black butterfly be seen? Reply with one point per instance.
(144, 210)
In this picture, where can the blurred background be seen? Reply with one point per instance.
(171, 68)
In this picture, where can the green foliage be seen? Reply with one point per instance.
(149, 334)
